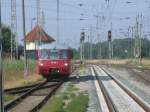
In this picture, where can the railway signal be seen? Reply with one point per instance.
(109, 35)
(109, 41)
(82, 46)
(82, 37)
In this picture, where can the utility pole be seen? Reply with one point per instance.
(91, 43)
(132, 38)
(88, 55)
(39, 21)
(14, 28)
(98, 36)
(38, 12)
(109, 44)
(43, 20)
(32, 22)
(82, 46)
(140, 43)
(58, 22)
(81, 51)
(137, 41)
(1, 68)
(129, 47)
(24, 34)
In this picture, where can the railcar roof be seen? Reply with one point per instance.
(53, 46)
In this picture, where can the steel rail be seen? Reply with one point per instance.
(21, 87)
(108, 99)
(19, 91)
(19, 99)
(136, 98)
(43, 102)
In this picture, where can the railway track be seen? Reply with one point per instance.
(118, 98)
(34, 98)
(138, 71)
(20, 89)
(23, 89)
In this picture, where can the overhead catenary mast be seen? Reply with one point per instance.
(14, 28)
(43, 20)
(98, 36)
(1, 69)
(91, 44)
(39, 20)
(58, 6)
(24, 34)
(38, 12)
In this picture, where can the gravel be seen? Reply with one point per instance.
(132, 80)
(86, 83)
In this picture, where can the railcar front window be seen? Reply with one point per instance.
(54, 54)
(44, 54)
(64, 54)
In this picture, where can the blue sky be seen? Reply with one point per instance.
(70, 25)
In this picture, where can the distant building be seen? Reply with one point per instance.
(36, 37)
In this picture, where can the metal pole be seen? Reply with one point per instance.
(14, 29)
(128, 43)
(112, 50)
(38, 12)
(24, 34)
(98, 54)
(1, 68)
(109, 46)
(80, 51)
(11, 45)
(88, 48)
(109, 49)
(31, 25)
(83, 50)
(58, 21)
(132, 31)
(140, 43)
(91, 42)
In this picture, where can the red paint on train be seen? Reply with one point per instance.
(54, 60)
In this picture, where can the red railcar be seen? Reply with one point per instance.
(54, 60)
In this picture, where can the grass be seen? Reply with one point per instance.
(55, 105)
(69, 101)
(18, 65)
(71, 88)
(78, 104)
(14, 73)
(145, 63)
(8, 98)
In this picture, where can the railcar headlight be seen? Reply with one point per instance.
(41, 64)
(66, 64)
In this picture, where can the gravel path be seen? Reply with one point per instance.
(86, 83)
(132, 80)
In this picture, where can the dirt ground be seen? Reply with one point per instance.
(21, 80)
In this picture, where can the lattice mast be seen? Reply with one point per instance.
(58, 27)
(14, 28)
(38, 20)
(43, 20)
(38, 12)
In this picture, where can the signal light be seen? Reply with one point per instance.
(82, 36)
(109, 35)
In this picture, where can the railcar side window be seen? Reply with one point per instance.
(44, 54)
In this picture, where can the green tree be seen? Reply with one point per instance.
(6, 41)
